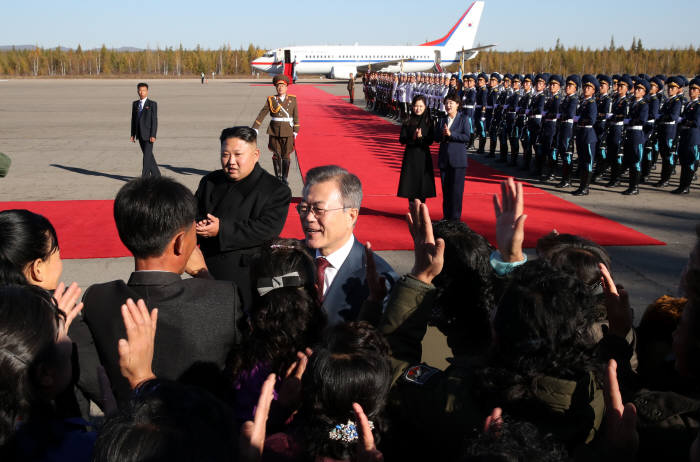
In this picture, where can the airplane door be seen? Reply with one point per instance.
(438, 59)
(288, 65)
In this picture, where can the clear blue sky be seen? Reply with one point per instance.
(272, 24)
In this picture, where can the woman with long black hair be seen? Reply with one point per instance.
(417, 179)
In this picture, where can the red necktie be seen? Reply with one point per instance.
(321, 265)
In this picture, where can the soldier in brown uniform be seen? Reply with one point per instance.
(284, 125)
(351, 88)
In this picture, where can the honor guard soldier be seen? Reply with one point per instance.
(468, 97)
(284, 125)
(651, 147)
(689, 139)
(491, 104)
(668, 119)
(565, 132)
(510, 132)
(616, 128)
(480, 110)
(604, 104)
(586, 116)
(500, 114)
(545, 164)
(634, 136)
(351, 88)
(534, 120)
(521, 112)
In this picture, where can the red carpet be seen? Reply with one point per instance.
(334, 132)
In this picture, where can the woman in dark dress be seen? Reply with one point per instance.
(417, 179)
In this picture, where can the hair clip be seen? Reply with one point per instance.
(266, 285)
(346, 433)
(282, 246)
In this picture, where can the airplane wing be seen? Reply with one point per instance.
(471, 50)
(381, 65)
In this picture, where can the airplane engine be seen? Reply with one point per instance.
(342, 72)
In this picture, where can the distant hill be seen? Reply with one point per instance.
(31, 47)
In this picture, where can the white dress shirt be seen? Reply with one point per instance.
(336, 260)
(142, 103)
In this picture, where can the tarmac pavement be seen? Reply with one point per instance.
(69, 140)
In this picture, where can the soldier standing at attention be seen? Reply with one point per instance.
(689, 142)
(669, 116)
(586, 117)
(634, 136)
(284, 125)
(351, 88)
(534, 123)
(604, 105)
(565, 132)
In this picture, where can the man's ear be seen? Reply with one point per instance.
(178, 243)
(352, 215)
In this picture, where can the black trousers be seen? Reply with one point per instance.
(452, 191)
(149, 162)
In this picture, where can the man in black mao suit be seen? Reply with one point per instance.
(144, 126)
(197, 318)
(241, 206)
(452, 132)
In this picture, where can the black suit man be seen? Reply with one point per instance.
(144, 126)
(197, 318)
(453, 134)
(241, 206)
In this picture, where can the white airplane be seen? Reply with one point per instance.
(340, 61)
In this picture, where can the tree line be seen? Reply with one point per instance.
(179, 62)
(104, 62)
(577, 60)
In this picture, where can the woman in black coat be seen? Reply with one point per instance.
(417, 179)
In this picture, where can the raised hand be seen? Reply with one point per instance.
(290, 389)
(376, 283)
(621, 420)
(494, 421)
(428, 252)
(66, 300)
(136, 351)
(510, 220)
(253, 432)
(617, 304)
(366, 449)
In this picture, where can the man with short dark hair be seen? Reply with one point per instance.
(240, 206)
(197, 317)
(144, 126)
(328, 211)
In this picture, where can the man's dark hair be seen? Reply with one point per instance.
(142, 84)
(246, 134)
(168, 421)
(150, 211)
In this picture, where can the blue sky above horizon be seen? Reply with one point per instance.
(161, 23)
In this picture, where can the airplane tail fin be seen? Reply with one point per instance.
(463, 33)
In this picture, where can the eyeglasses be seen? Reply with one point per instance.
(318, 212)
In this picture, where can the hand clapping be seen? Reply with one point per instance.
(208, 227)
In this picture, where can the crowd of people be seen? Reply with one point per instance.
(587, 126)
(316, 352)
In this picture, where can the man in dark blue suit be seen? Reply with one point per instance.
(452, 132)
(328, 211)
(144, 126)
